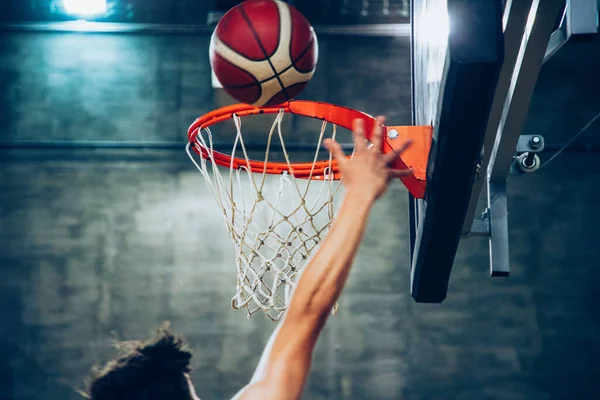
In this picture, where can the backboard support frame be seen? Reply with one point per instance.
(533, 23)
(514, 20)
(531, 56)
(527, 29)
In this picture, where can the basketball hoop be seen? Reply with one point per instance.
(276, 224)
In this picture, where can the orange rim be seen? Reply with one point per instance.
(338, 115)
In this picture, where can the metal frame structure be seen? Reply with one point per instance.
(581, 17)
(529, 40)
(559, 37)
(578, 18)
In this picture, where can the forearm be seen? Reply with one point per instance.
(325, 275)
(318, 287)
(288, 354)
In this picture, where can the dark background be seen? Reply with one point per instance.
(103, 243)
(195, 12)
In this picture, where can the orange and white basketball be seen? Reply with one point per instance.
(263, 52)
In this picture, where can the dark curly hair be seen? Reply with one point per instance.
(151, 369)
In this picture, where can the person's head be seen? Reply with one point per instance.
(154, 369)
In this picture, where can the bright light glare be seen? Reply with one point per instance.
(435, 25)
(434, 28)
(85, 8)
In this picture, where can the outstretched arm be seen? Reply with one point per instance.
(284, 367)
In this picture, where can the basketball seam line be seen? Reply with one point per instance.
(291, 86)
(263, 48)
(264, 80)
(256, 81)
(292, 65)
(300, 56)
(246, 57)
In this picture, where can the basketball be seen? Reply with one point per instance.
(263, 52)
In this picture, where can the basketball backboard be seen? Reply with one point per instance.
(457, 53)
(474, 86)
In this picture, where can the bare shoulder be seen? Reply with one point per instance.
(251, 392)
(259, 391)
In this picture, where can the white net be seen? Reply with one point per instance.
(275, 221)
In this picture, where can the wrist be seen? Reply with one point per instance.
(361, 196)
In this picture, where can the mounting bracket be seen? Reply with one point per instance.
(493, 222)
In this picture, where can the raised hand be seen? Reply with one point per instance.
(368, 172)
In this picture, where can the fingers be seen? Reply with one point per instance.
(376, 136)
(399, 173)
(335, 149)
(390, 158)
(393, 156)
(358, 128)
(358, 131)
